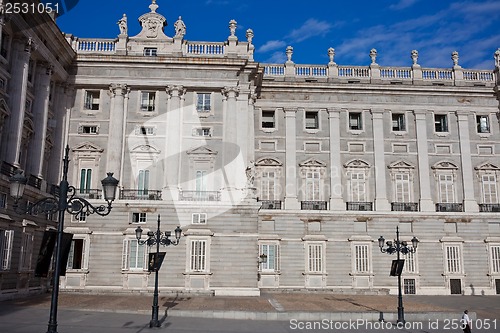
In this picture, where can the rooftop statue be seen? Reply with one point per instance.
(180, 28)
(122, 24)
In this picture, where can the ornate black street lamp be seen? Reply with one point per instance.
(157, 238)
(398, 247)
(65, 201)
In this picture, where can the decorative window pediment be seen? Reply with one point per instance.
(145, 149)
(268, 162)
(487, 166)
(444, 165)
(312, 163)
(203, 150)
(87, 147)
(357, 164)
(401, 165)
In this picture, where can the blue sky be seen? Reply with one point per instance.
(394, 27)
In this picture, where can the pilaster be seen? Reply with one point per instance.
(116, 123)
(381, 202)
(291, 201)
(426, 203)
(336, 200)
(470, 203)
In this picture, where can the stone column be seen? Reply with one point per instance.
(62, 94)
(470, 203)
(336, 199)
(115, 131)
(291, 201)
(381, 202)
(17, 92)
(40, 118)
(173, 144)
(232, 160)
(426, 203)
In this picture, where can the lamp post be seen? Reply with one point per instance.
(157, 238)
(65, 201)
(398, 247)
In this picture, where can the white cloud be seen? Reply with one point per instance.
(272, 45)
(310, 28)
(276, 58)
(402, 4)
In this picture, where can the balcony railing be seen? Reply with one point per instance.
(449, 207)
(361, 206)
(34, 181)
(270, 204)
(7, 169)
(313, 205)
(131, 194)
(489, 208)
(88, 193)
(199, 196)
(404, 206)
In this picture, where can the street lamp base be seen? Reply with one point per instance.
(52, 328)
(154, 323)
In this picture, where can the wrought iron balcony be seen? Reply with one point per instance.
(449, 207)
(404, 206)
(270, 204)
(361, 206)
(131, 194)
(199, 196)
(313, 205)
(7, 169)
(489, 208)
(34, 181)
(89, 193)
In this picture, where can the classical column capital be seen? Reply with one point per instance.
(118, 89)
(175, 91)
(290, 112)
(420, 114)
(462, 115)
(230, 92)
(377, 113)
(334, 111)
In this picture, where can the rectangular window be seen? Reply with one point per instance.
(27, 106)
(202, 131)
(446, 188)
(148, 101)
(489, 184)
(199, 218)
(150, 51)
(272, 254)
(201, 185)
(440, 123)
(203, 103)
(85, 181)
(495, 259)
(80, 218)
(357, 187)
(6, 241)
(355, 121)
(483, 124)
(312, 120)
(315, 258)
(76, 254)
(453, 259)
(3, 200)
(398, 122)
(409, 286)
(268, 120)
(198, 256)
(134, 255)
(26, 251)
(402, 187)
(410, 265)
(139, 217)
(312, 185)
(146, 130)
(91, 100)
(362, 260)
(143, 182)
(89, 129)
(267, 185)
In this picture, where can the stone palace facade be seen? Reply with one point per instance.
(308, 164)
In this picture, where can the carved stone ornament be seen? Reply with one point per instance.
(401, 165)
(357, 164)
(444, 165)
(269, 161)
(152, 24)
(414, 56)
(497, 58)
